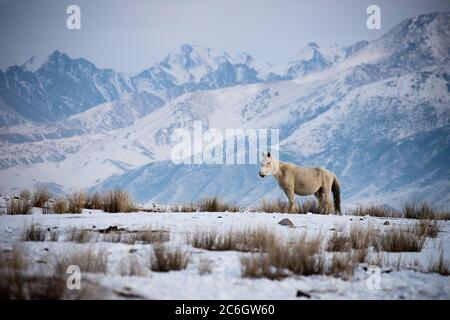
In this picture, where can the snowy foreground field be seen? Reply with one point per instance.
(213, 274)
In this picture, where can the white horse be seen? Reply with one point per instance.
(303, 181)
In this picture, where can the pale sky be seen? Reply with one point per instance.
(131, 35)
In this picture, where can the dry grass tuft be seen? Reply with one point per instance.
(79, 235)
(375, 211)
(41, 196)
(280, 206)
(165, 259)
(248, 240)
(427, 228)
(338, 242)
(275, 206)
(54, 235)
(424, 211)
(77, 202)
(186, 207)
(399, 240)
(358, 238)
(25, 194)
(60, 206)
(118, 201)
(216, 205)
(14, 259)
(94, 201)
(361, 237)
(308, 206)
(213, 204)
(149, 236)
(441, 266)
(302, 257)
(131, 266)
(262, 265)
(17, 284)
(141, 237)
(34, 232)
(88, 260)
(18, 206)
(342, 265)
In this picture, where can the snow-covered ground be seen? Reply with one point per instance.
(225, 280)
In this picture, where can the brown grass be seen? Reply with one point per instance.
(275, 206)
(309, 206)
(131, 266)
(424, 211)
(34, 232)
(281, 206)
(25, 194)
(13, 259)
(360, 255)
(358, 238)
(338, 242)
(94, 201)
(17, 284)
(118, 201)
(60, 206)
(216, 205)
(399, 240)
(141, 237)
(54, 235)
(213, 204)
(300, 257)
(77, 202)
(361, 237)
(79, 235)
(375, 211)
(186, 207)
(248, 240)
(18, 206)
(427, 228)
(40, 196)
(441, 266)
(262, 265)
(165, 259)
(342, 265)
(88, 260)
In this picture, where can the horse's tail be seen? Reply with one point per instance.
(335, 188)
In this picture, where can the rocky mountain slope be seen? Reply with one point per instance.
(376, 113)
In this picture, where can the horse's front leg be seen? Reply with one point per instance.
(290, 196)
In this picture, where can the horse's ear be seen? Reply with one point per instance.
(268, 154)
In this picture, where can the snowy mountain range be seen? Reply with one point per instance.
(376, 113)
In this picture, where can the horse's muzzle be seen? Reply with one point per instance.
(261, 175)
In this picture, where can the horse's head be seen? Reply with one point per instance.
(269, 165)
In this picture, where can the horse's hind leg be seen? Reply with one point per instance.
(327, 203)
(326, 197)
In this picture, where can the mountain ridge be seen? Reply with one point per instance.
(377, 114)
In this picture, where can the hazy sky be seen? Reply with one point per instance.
(130, 35)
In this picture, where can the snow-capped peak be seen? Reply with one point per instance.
(307, 53)
(33, 63)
